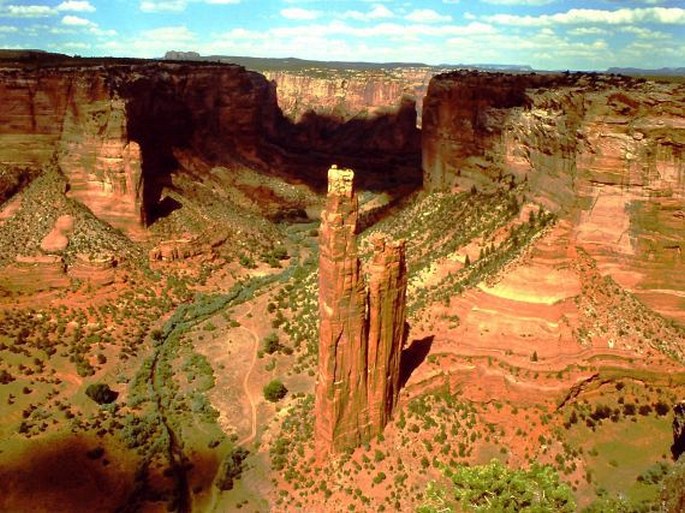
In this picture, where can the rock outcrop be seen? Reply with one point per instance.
(386, 317)
(361, 330)
(603, 152)
(34, 273)
(678, 446)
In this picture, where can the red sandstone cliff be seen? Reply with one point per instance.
(387, 313)
(347, 94)
(113, 126)
(120, 129)
(605, 152)
(361, 331)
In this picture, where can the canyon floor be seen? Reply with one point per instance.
(527, 353)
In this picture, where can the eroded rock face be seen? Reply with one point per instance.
(603, 152)
(348, 94)
(113, 127)
(361, 331)
(387, 313)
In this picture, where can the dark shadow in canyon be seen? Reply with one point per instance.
(159, 122)
(81, 473)
(413, 356)
(384, 149)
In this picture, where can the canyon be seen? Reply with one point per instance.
(500, 277)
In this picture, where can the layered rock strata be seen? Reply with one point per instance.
(361, 329)
(113, 126)
(606, 153)
(347, 93)
(120, 129)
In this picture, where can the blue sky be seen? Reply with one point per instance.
(546, 34)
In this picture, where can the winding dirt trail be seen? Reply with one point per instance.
(250, 396)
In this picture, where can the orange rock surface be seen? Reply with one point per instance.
(603, 152)
(361, 330)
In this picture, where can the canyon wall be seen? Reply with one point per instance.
(361, 329)
(348, 94)
(112, 126)
(119, 129)
(604, 152)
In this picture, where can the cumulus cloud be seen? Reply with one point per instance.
(297, 13)
(76, 21)
(643, 33)
(519, 2)
(427, 16)
(163, 5)
(76, 6)
(377, 12)
(28, 11)
(663, 15)
(178, 5)
(588, 31)
(173, 34)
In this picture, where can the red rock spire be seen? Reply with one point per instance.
(360, 335)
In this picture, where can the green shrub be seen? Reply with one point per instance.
(275, 391)
(231, 468)
(495, 487)
(271, 343)
(101, 393)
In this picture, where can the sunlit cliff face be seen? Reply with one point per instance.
(605, 152)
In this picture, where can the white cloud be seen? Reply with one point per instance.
(664, 15)
(297, 13)
(377, 12)
(95, 30)
(75, 45)
(643, 33)
(76, 21)
(163, 5)
(28, 11)
(76, 6)
(588, 31)
(427, 16)
(8, 29)
(222, 2)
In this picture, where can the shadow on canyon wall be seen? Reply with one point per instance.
(164, 117)
(384, 149)
(413, 356)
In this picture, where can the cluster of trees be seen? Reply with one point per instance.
(495, 487)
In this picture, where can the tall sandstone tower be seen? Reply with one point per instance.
(361, 329)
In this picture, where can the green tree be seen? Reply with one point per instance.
(101, 393)
(271, 343)
(497, 488)
(231, 468)
(275, 391)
